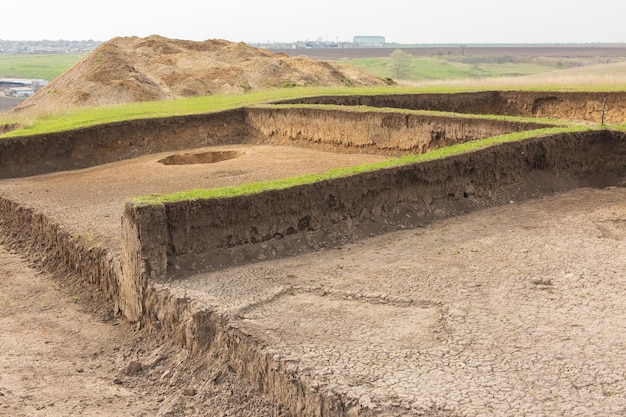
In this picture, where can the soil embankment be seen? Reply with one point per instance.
(373, 132)
(101, 144)
(183, 238)
(579, 106)
(384, 133)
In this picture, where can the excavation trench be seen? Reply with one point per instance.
(164, 244)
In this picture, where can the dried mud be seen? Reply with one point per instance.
(374, 334)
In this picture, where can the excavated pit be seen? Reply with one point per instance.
(212, 157)
(165, 246)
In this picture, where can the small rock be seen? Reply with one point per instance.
(190, 392)
(118, 381)
(133, 367)
(80, 369)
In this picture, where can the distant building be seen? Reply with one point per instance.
(369, 41)
(35, 85)
(21, 92)
(20, 87)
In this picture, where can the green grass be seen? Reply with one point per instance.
(83, 117)
(455, 68)
(40, 66)
(254, 188)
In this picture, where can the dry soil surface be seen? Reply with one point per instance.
(131, 69)
(515, 310)
(63, 354)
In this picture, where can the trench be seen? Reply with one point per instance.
(289, 221)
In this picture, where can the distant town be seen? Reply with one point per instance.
(63, 46)
(47, 47)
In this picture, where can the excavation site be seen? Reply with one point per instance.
(485, 280)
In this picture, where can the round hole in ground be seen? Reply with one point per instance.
(210, 157)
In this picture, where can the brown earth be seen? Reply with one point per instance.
(511, 310)
(133, 69)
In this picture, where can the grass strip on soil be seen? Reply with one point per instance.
(69, 119)
(254, 188)
(363, 109)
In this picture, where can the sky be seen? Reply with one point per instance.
(422, 22)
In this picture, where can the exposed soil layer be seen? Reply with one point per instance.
(211, 157)
(332, 130)
(373, 132)
(433, 320)
(87, 147)
(190, 236)
(64, 353)
(581, 106)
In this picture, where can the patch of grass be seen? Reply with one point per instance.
(455, 67)
(253, 188)
(58, 121)
(40, 66)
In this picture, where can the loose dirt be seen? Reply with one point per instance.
(133, 69)
(509, 311)
(64, 354)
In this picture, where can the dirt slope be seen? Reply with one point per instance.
(154, 68)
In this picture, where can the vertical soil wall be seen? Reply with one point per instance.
(372, 132)
(90, 146)
(218, 233)
(339, 131)
(581, 106)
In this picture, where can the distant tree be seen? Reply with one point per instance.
(399, 64)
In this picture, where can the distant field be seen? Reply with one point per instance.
(429, 63)
(450, 68)
(40, 66)
(7, 103)
(434, 63)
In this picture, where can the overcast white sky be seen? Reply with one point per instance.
(432, 21)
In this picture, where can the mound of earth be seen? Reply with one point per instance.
(133, 69)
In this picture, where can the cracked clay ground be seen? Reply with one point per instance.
(514, 310)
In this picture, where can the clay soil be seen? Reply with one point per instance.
(515, 310)
(64, 353)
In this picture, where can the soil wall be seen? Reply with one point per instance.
(90, 146)
(581, 106)
(219, 233)
(77, 262)
(298, 219)
(339, 131)
(371, 131)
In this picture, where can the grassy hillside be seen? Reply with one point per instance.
(40, 66)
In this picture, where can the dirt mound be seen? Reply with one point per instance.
(154, 68)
